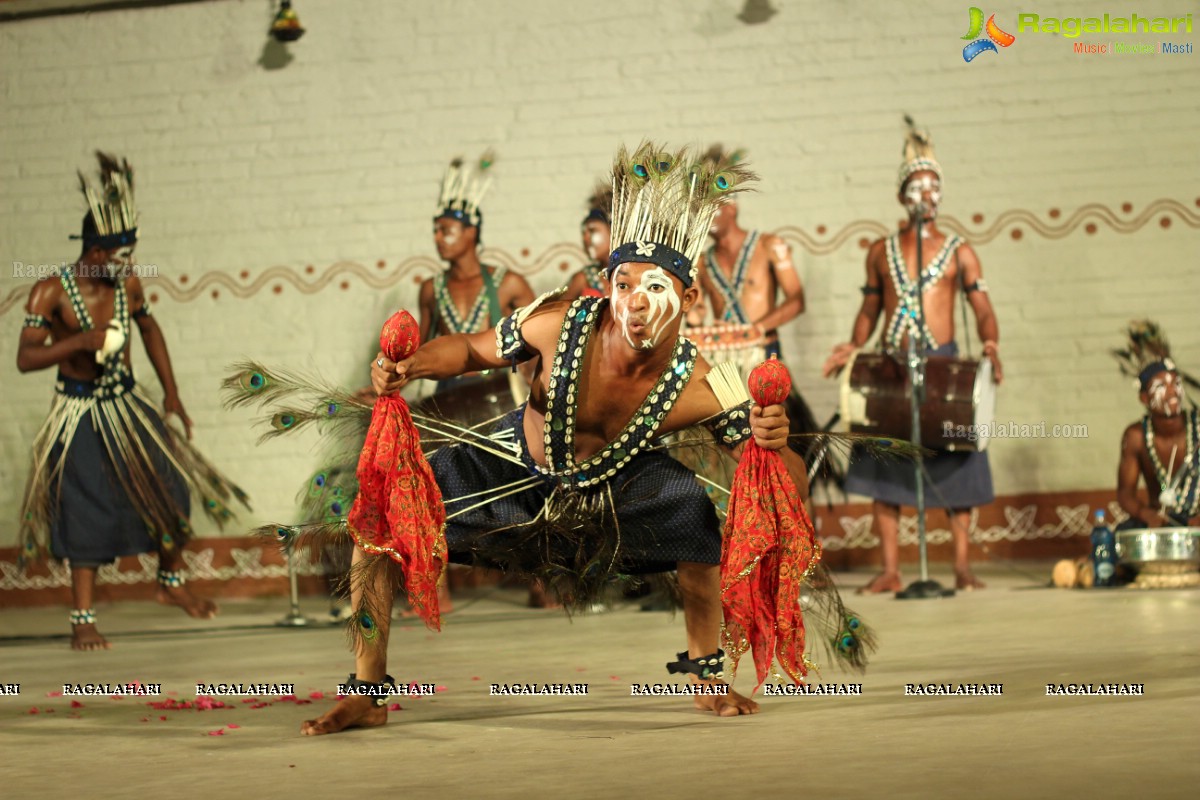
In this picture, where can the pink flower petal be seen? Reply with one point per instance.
(34, 710)
(162, 719)
(317, 696)
(54, 694)
(217, 733)
(476, 678)
(76, 704)
(439, 688)
(249, 700)
(341, 697)
(394, 707)
(231, 725)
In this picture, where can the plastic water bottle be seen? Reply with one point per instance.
(1104, 551)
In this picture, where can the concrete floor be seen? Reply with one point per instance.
(462, 743)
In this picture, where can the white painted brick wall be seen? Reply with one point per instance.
(337, 157)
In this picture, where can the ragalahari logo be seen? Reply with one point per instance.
(995, 36)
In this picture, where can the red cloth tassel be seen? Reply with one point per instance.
(399, 510)
(769, 546)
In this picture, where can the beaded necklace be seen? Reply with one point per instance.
(731, 288)
(475, 320)
(595, 276)
(115, 370)
(561, 403)
(904, 320)
(1181, 494)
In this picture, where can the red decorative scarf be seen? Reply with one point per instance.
(399, 510)
(769, 546)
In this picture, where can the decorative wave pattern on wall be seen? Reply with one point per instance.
(566, 257)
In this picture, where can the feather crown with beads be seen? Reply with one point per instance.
(917, 154)
(463, 189)
(664, 203)
(111, 205)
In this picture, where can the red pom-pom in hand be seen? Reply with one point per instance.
(770, 383)
(400, 337)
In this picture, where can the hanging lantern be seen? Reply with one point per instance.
(286, 27)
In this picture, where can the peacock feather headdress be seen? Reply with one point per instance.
(720, 157)
(463, 189)
(111, 205)
(917, 153)
(664, 203)
(1148, 353)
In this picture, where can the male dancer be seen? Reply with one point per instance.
(596, 232)
(744, 273)
(109, 478)
(960, 480)
(1163, 448)
(611, 375)
(468, 297)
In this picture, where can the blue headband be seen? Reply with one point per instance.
(1157, 368)
(110, 241)
(655, 253)
(597, 214)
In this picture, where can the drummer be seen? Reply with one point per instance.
(1170, 466)
(956, 481)
(468, 297)
(748, 277)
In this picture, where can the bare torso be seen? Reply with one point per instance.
(1169, 448)
(938, 297)
(609, 393)
(99, 297)
(760, 289)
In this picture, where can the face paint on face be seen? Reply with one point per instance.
(644, 311)
(1166, 394)
(596, 241)
(925, 188)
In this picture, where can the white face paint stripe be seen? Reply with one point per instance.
(663, 305)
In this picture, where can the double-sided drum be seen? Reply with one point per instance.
(959, 411)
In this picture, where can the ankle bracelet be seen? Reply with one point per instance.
(83, 616)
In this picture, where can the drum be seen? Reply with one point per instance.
(730, 342)
(959, 411)
(1159, 545)
(1166, 558)
(476, 401)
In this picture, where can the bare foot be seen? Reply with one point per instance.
(350, 712)
(86, 637)
(965, 581)
(182, 596)
(883, 582)
(726, 705)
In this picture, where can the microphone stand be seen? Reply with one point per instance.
(294, 618)
(925, 588)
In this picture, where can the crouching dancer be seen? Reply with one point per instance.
(585, 489)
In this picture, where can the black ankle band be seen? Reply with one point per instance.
(705, 667)
(381, 691)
